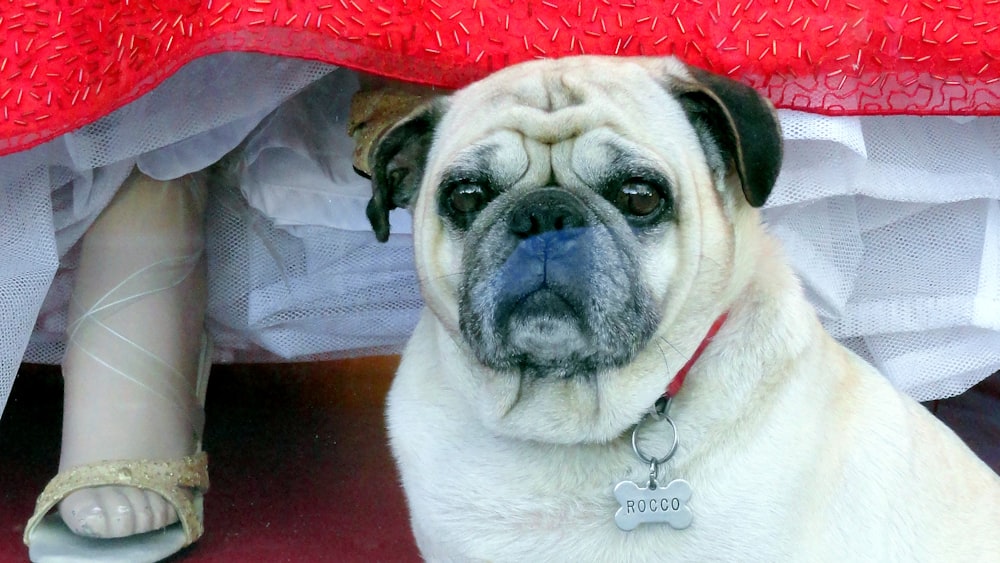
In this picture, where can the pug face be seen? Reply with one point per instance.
(564, 215)
(552, 279)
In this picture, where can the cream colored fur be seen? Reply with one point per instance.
(796, 449)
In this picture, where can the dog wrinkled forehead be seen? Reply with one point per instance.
(659, 107)
(552, 101)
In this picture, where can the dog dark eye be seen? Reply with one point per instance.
(638, 198)
(467, 198)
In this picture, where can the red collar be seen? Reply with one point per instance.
(675, 384)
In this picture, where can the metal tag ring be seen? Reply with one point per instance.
(649, 459)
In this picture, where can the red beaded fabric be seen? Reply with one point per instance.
(65, 63)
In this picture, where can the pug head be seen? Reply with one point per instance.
(573, 223)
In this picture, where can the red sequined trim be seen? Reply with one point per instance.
(65, 63)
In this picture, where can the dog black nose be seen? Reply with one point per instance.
(545, 210)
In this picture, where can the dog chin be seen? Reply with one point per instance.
(549, 352)
(545, 331)
(544, 352)
(548, 335)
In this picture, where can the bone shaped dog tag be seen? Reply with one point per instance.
(644, 505)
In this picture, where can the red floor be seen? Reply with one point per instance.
(299, 464)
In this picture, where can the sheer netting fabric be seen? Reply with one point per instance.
(892, 223)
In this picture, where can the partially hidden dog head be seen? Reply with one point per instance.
(575, 229)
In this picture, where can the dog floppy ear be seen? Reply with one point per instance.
(397, 166)
(741, 124)
(392, 126)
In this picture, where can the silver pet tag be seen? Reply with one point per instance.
(653, 503)
(645, 505)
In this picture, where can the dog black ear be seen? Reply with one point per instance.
(397, 165)
(741, 124)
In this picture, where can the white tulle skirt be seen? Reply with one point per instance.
(892, 223)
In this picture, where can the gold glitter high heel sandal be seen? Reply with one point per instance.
(181, 482)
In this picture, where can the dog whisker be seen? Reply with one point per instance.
(662, 351)
(440, 278)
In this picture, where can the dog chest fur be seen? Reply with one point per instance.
(811, 468)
